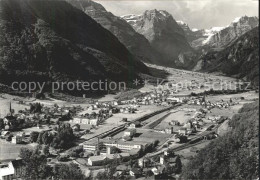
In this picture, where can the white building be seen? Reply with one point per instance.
(17, 139)
(130, 132)
(12, 170)
(81, 120)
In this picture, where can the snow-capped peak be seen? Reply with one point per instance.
(181, 22)
(236, 19)
(129, 16)
(194, 29)
(163, 13)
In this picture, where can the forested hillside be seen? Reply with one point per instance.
(53, 41)
(233, 156)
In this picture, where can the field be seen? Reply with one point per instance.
(146, 135)
(116, 120)
(184, 78)
(188, 153)
(9, 150)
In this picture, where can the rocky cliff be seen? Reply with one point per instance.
(240, 58)
(136, 43)
(230, 33)
(163, 32)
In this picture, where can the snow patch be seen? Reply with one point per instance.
(163, 13)
(236, 19)
(181, 22)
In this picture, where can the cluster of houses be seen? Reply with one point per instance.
(18, 138)
(26, 118)
(211, 105)
(153, 98)
(156, 167)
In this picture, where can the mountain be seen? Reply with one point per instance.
(191, 34)
(54, 41)
(232, 156)
(228, 34)
(136, 43)
(218, 36)
(240, 58)
(198, 37)
(163, 32)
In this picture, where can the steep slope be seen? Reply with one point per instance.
(191, 35)
(136, 43)
(238, 27)
(217, 37)
(233, 156)
(53, 41)
(240, 58)
(163, 32)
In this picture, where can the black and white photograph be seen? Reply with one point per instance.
(129, 89)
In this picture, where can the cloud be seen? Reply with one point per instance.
(197, 13)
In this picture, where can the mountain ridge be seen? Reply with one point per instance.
(162, 31)
(53, 41)
(136, 43)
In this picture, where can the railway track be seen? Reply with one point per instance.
(186, 145)
(140, 119)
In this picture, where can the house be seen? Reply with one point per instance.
(183, 131)
(5, 133)
(9, 119)
(174, 99)
(97, 160)
(123, 156)
(81, 120)
(172, 160)
(105, 159)
(17, 139)
(169, 130)
(143, 162)
(188, 125)
(135, 172)
(175, 123)
(168, 153)
(135, 124)
(130, 132)
(162, 160)
(76, 127)
(12, 170)
(158, 170)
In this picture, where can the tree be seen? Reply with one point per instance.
(232, 156)
(2, 125)
(178, 165)
(34, 136)
(35, 108)
(34, 164)
(148, 174)
(46, 150)
(47, 138)
(76, 151)
(64, 138)
(39, 139)
(68, 171)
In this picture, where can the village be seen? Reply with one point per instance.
(144, 136)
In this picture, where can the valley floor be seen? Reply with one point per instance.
(151, 128)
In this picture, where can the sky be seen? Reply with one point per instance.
(197, 13)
